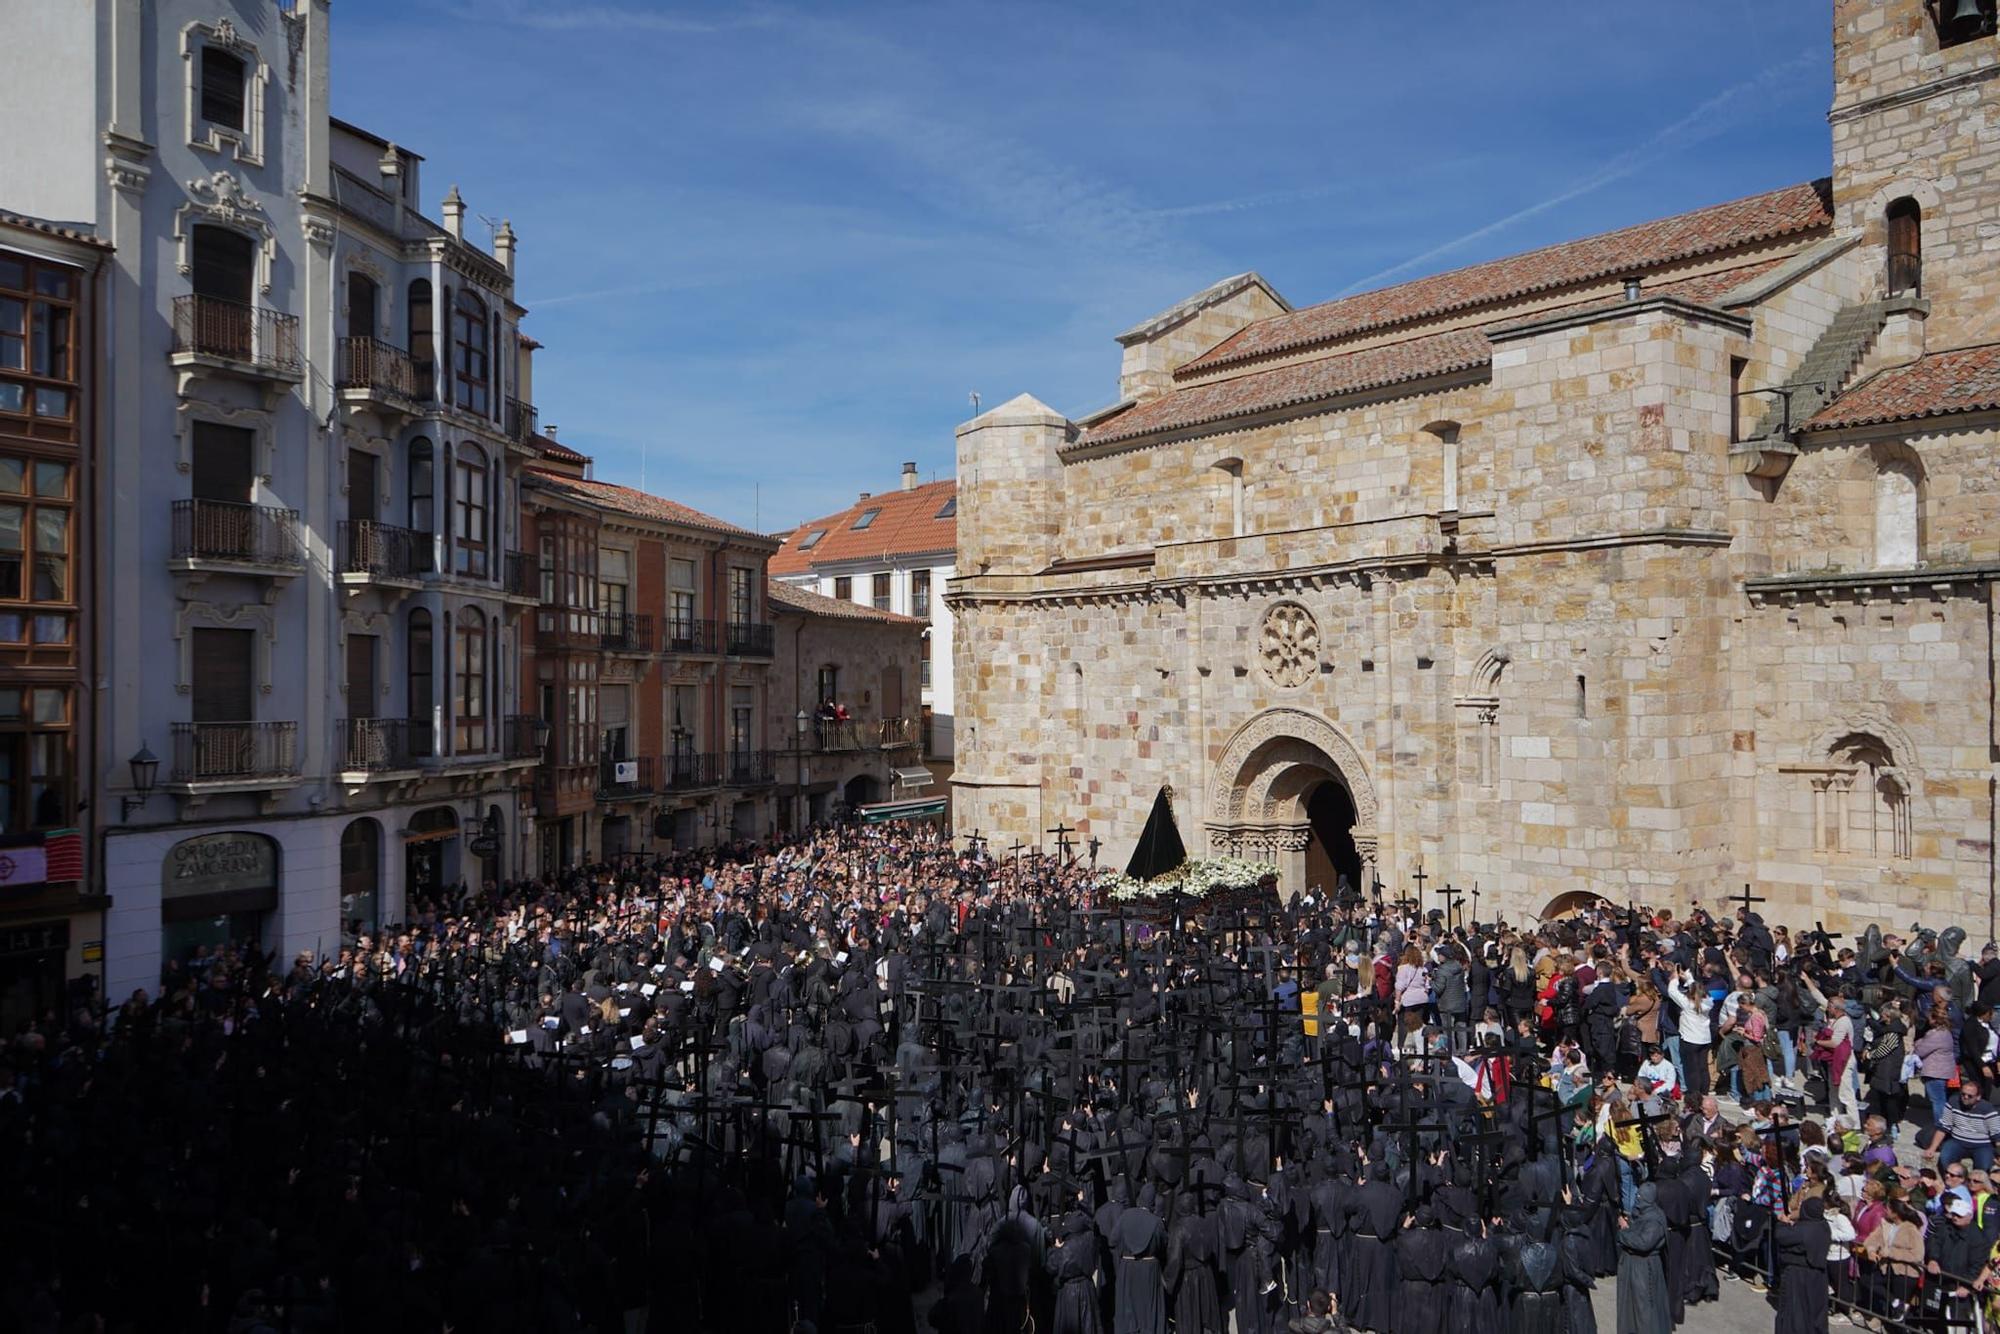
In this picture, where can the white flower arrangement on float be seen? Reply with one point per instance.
(1192, 879)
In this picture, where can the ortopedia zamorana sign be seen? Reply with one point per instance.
(218, 863)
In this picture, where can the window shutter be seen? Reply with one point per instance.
(223, 690)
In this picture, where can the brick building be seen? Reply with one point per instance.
(1651, 564)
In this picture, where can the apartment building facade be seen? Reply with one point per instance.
(313, 431)
(51, 906)
(650, 658)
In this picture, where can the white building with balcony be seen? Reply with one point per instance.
(895, 552)
(316, 409)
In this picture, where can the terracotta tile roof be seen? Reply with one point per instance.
(47, 228)
(627, 501)
(1302, 382)
(908, 525)
(790, 597)
(1369, 368)
(1786, 212)
(550, 449)
(1964, 380)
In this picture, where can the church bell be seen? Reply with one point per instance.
(1963, 19)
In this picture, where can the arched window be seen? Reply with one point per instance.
(469, 532)
(1862, 801)
(423, 346)
(362, 297)
(422, 690)
(469, 339)
(1906, 248)
(423, 486)
(1898, 513)
(469, 696)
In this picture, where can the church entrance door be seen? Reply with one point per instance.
(1331, 857)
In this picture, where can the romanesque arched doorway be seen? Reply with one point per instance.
(1292, 789)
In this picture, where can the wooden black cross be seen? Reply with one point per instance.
(1453, 899)
(1475, 905)
(1062, 833)
(1746, 898)
(1410, 1126)
(1481, 1137)
(1420, 877)
(1126, 1064)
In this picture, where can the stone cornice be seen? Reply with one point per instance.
(1934, 581)
(1920, 93)
(1644, 537)
(1645, 305)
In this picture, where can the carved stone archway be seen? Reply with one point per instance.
(1262, 784)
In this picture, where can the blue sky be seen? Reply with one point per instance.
(772, 249)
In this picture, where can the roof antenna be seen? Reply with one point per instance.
(757, 507)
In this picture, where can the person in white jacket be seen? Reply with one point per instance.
(1697, 1034)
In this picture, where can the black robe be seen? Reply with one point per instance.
(1642, 1279)
(1681, 1220)
(1142, 1301)
(1193, 1261)
(1802, 1287)
(1535, 1276)
(1474, 1305)
(1423, 1298)
(1369, 1289)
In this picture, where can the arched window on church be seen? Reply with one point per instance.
(1446, 436)
(1230, 473)
(1906, 248)
(1862, 801)
(1898, 512)
(1479, 711)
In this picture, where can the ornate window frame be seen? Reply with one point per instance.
(220, 200)
(237, 616)
(192, 410)
(245, 145)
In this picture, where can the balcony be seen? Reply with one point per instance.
(381, 553)
(832, 736)
(627, 779)
(214, 334)
(224, 537)
(688, 770)
(239, 754)
(749, 640)
(567, 630)
(749, 768)
(686, 636)
(897, 733)
(521, 419)
(524, 736)
(382, 374)
(626, 632)
(377, 745)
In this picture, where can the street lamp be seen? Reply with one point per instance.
(799, 801)
(542, 730)
(145, 773)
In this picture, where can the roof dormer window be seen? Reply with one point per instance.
(949, 510)
(867, 517)
(812, 539)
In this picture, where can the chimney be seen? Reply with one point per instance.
(550, 430)
(503, 246)
(454, 215)
(909, 476)
(390, 167)
(866, 494)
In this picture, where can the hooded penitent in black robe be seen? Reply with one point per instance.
(1329, 1232)
(1474, 1305)
(1246, 1238)
(1598, 1190)
(1642, 1280)
(1368, 1292)
(1681, 1219)
(1421, 1256)
(1193, 1260)
(1579, 1316)
(1072, 1263)
(1535, 1276)
(1142, 1301)
(1699, 1283)
(1802, 1287)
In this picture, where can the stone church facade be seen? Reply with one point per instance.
(1646, 566)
